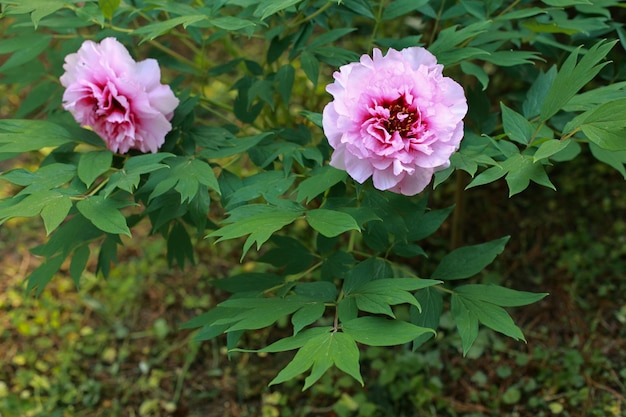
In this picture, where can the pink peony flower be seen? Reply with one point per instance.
(123, 101)
(395, 118)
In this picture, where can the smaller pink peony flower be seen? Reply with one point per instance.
(394, 118)
(123, 101)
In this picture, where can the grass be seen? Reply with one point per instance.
(113, 347)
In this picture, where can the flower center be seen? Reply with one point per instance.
(401, 119)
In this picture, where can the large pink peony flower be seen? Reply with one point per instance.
(395, 118)
(123, 101)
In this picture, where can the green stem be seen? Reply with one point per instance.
(309, 17)
(379, 18)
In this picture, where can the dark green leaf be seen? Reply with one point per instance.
(105, 214)
(469, 260)
(501, 296)
(93, 164)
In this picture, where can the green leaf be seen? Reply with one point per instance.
(330, 223)
(611, 140)
(105, 214)
(231, 23)
(108, 7)
(310, 66)
(377, 331)
(55, 211)
(549, 148)
(571, 77)
(259, 227)
(321, 179)
(93, 164)
(450, 37)
(320, 353)
(521, 170)
(379, 295)
(25, 55)
(78, 264)
(44, 273)
(266, 8)
(611, 158)
(37, 8)
(537, 92)
(432, 305)
(476, 71)
(516, 126)
(248, 282)
(501, 296)
(308, 314)
(399, 8)
(466, 322)
(153, 30)
(469, 260)
(257, 313)
(31, 135)
(493, 316)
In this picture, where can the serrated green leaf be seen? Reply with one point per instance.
(377, 331)
(331, 223)
(501, 296)
(105, 214)
(93, 164)
(469, 260)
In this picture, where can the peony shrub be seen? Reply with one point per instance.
(243, 146)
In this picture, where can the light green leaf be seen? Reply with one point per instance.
(612, 140)
(320, 353)
(331, 223)
(231, 23)
(501, 296)
(55, 211)
(469, 260)
(521, 170)
(31, 135)
(93, 164)
(376, 331)
(105, 214)
(259, 227)
(549, 148)
(108, 7)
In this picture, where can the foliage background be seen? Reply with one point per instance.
(134, 360)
